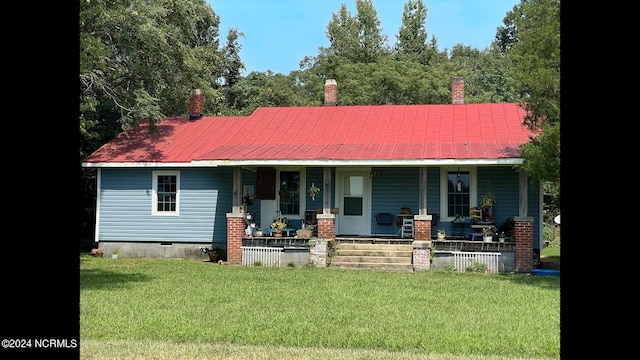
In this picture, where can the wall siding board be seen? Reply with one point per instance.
(125, 207)
(393, 188)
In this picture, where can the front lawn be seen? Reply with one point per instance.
(160, 308)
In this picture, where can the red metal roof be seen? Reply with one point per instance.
(379, 132)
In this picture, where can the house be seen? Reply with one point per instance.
(170, 192)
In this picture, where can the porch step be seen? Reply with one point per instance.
(373, 256)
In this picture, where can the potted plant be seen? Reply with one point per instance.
(305, 232)
(488, 199)
(259, 231)
(502, 236)
(508, 227)
(278, 225)
(441, 234)
(115, 253)
(313, 191)
(487, 234)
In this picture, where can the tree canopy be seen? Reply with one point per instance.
(139, 59)
(531, 39)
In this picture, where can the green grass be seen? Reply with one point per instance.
(550, 255)
(186, 309)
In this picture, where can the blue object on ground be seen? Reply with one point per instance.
(545, 272)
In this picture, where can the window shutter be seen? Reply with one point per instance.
(266, 184)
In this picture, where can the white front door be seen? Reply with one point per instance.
(354, 193)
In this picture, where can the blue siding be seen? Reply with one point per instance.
(315, 175)
(503, 183)
(126, 198)
(396, 187)
(205, 198)
(393, 188)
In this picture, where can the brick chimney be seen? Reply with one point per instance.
(457, 90)
(196, 104)
(330, 92)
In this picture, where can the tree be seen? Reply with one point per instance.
(356, 39)
(373, 42)
(138, 61)
(536, 59)
(266, 89)
(487, 74)
(342, 32)
(531, 38)
(234, 64)
(411, 40)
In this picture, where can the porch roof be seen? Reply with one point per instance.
(328, 135)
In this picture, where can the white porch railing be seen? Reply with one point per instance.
(462, 259)
(268, 256)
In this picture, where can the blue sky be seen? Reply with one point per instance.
(280, 33)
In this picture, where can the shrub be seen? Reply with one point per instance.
(476, 267)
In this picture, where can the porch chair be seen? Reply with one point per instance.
(477, 215)
(384, 219)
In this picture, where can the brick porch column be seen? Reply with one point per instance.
(422, 227)
(318, 251)
(524, 243)
(326, 226)
(235, 232)
(421, 255)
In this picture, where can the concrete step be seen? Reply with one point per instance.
(373, 252)
(373, 266)
(373, 259)
(365, 246)
(373, 256)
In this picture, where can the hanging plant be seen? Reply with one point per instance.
(488, 199)
(313, 191)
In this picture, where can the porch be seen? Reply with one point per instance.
(379, 252)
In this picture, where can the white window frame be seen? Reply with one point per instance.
(444, 198)
(154, 195)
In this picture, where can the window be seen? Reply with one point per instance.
(290, 193)
(353, 189)
(458, 193)
(165, 192)
(458, 189)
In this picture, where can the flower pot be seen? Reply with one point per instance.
(501, 239)
(487, 238)
(114, 256)
(277, 233)
(258, 232)
(441, 236)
